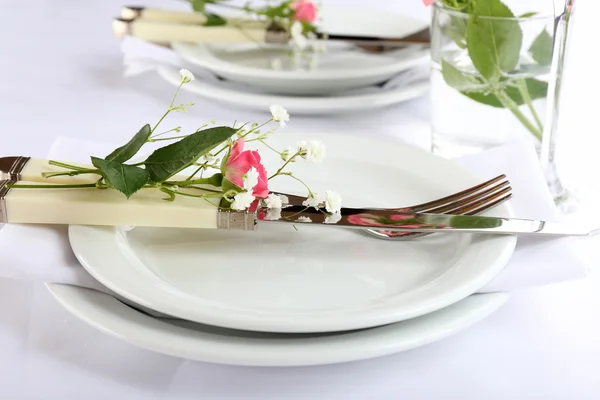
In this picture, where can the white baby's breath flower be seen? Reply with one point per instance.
(298, 38)
(284, 199)
(273, 201)
(209, 157)
(333, 218)
(313, 150)
(250, 179)
(333, 202)
(242, 201)
(316, 151)
(273, 214)
(276, 64)
(313, 200)
(279, 114)
(304, 219)
(186, 76)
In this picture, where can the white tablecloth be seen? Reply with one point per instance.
(60, 75)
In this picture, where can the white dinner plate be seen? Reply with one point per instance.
(341, 67)
(352, 101)
(225, 346)
(313, 279)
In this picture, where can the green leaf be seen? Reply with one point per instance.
(461, 81)
(130, 149)
(215, 20)
(528, 15)
(127, 179)
(541, 48)
(494, 44)
(537, 90)
(198, 5)
(169, 160)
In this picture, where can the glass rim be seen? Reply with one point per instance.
(536, 17)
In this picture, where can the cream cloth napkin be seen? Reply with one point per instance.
(42, 253)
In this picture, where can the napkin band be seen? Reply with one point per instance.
(10, 172)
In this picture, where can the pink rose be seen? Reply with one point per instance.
(304, 10)
(240, 162)
(428, 2)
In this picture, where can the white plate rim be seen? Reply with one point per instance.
(241, 319)
(304, 104)
(201, 56)
(107, 314)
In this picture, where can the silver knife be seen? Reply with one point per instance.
(395, 221)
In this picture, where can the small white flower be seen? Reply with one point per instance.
(273, 201)
(333, 202)
(276, 64)
(242, 201)
(273, 214)
(313, 150)
(314, 200)
(304, 219)
(279, 114)
(209, 157)
(250, 179)
(298, 38)
(186, 76)
(333, 218)
(284, 199)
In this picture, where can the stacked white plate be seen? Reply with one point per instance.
(280, 296)
(345, 78)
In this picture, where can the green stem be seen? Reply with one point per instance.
(512, 106)
(70, 173)
(67, 166)
(83, 185)
(527, 98)
(169, 138)
(284, 165)
(310, 193)
(178, 129)
(169, 109)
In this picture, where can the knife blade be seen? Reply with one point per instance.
(394, 220)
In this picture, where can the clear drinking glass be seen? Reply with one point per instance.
(498, 79)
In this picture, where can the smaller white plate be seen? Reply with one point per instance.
(348, 102)
(342, 67)
(225, 346)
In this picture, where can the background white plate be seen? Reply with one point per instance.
(314, 279)
(341, 68)
(225, 346)
(342, 103)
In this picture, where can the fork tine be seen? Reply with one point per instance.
(485, 207)
(477, 204)
(470, 200)
(457, 196)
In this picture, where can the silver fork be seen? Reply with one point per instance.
(472, 201)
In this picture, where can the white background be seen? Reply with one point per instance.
(61, 75)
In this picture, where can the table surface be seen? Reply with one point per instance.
(61, 75)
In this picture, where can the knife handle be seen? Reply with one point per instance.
(166, 32)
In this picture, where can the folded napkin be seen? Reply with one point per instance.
(42, 253)
(140, 57)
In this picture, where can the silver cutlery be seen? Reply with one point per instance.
(472, 201)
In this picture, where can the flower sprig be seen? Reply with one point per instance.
(224, 173)
(297, 18)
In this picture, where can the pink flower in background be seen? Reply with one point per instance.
(240, 162)
(428, 2)
(304, 10)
